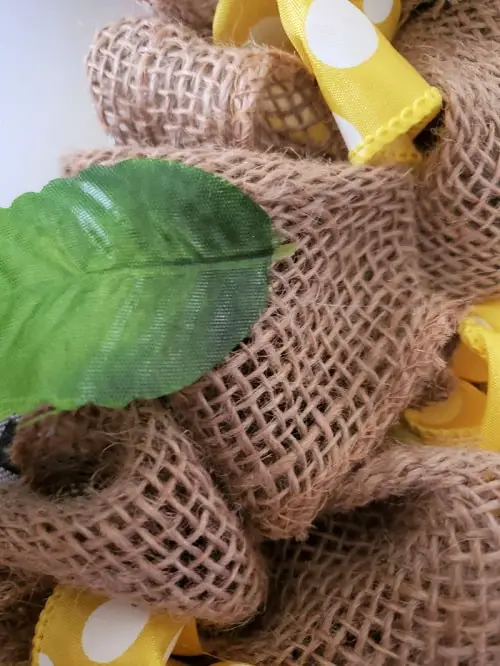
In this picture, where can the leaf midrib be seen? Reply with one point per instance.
(223, 262)
(242, 262)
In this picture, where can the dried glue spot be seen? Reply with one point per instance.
(349, 133)
(43, 660)
(269, 32)
(339, 34)
(377, 10)
(111, 630)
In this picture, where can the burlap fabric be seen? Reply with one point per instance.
(22, 598)
(92, 453)
(197, 14)
(351, 335)
(408, 581)
(454, 44)
(154, 531)
(167, 505)
(413, 582)
(410, 7)
(154, 82)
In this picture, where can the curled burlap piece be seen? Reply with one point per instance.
(22, 598)
(156, 531)
(454, 45)
(154, 82)
(414, 581)
(350, 337)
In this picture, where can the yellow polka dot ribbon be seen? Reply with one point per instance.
(380, 103)
(471, 414)
(79, 628)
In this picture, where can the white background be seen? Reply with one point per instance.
(45, 106)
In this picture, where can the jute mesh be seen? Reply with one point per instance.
(455, 46)
(197, 14)
(92, 452)
(351, 335)
(154, 82)
(411, 582)
(410, 7)
(22, 598)
(156, 532)
(166, 503)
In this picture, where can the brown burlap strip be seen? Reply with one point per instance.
(22, 598)
(455, 46)
(350, 337)
(197, 14)
(156, 533)
(410, 583)
(154, 82)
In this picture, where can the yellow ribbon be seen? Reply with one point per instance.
(380, 103)
(471, 415)
(80, 628)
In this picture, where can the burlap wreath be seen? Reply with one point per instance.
(168, 503)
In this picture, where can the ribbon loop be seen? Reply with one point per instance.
(80, 628)
(380, 103)
(471, 414)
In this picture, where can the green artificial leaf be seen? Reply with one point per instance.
(126, 282)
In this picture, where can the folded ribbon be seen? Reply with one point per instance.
(471, 414)
(380, 103)
(80, 628)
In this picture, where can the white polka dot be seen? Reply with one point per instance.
(171, 646)
(269, 32)
(377, 10)
(339, 34)
(43, 660)
(350, 134)
(111, 630)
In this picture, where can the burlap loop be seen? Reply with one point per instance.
(349, 339)
(154, 82)
(397, 583)
(455, 46)
(157, 532)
